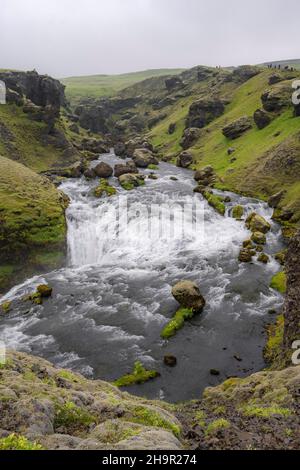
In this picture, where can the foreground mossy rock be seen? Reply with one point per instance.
(43, 291)
(103, 170)
(131, 181)
(56, 409)
(263, 258)
(237, 128)
(281, 257)
(139, 375)
(104, 188)
(143, 158)
(277, 98)
(177, 322)
(188, 295)
(246, 255)
(184, 160)
(238, 212)
(257, 223)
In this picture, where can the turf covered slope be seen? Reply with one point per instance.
(96, 86)
(32, 220)
(264, 161)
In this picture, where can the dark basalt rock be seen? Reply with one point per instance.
(204, 111)
(276, 78)
(172, 128)
(92, 118)
(184, 160)
(237, 128)
(205, 177)
(170, 361)
(261, 118)
(174, 83)
(242, 74)
(120, 149)
(275, 200)
(277, 98)
(124, 169)
(190, 136)
(103, 170)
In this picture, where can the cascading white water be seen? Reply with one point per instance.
(111, 302)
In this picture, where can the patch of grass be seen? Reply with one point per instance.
(278, 282)
(153, 167)
(266, 412)
(138, 376)
(217, 425)
(177, 322)
(14, 442)
(273, 347)
(148, 417)
(104, 188)
(71, 416)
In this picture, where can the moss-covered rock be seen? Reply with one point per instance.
(177, 322)
(257, 223)
(138, 376)
(238, 212)
(104, 188)
(216, 202)
(130, 181)
(263, 258)
(259, 238)
(278, 282)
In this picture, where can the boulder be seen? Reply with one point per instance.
(263, 258)
(184, 160)
(188, 295)
(205, 177)
(172, 128)
(130, 181)
(170, 361)
(190, 136)
(137, 143)
(173, 83)
(277, 98)
(230, 151)
(245, 255)
(125, 168)
(243, 73)
(261, 118)
(257, 223)
(103, 170)
(237, 128)
(275, 200)
(94, 146)
(259, 238)
(120, 149)
(143, 158)
(90, 173)
(204, 111)
(44, 290)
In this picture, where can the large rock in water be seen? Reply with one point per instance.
(206, 176)
(261, 118)
(188, 295)
(125, 168)
(204, 111)
(103, 170)
(143, 158)
(184, 160)
(237, 128)
(257, 223)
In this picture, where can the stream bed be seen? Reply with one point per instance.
(113, 298)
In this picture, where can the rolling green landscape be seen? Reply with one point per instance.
(97, 86)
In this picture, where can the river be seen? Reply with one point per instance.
(112, 299)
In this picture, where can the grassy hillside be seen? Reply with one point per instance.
(252, 172)
(96, 86)
(32, 227)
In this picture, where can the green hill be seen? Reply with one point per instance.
(96, 86)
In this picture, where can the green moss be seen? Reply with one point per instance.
(6, 307)
(152, 167)
(216, 202)
(71, 416)
(177, 322)
(273, 347)
(238, 212)
(280, 257)
(278, 282)
(265, 412)
(67, 374)
(14, 442)
(200, 417)
(217, 425)
(138, 376)
(148, 417)
(104, 188)
(128, 186)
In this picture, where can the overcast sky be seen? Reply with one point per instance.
(81, 37)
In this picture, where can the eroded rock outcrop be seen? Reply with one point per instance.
(237, 128)
(204, 111)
